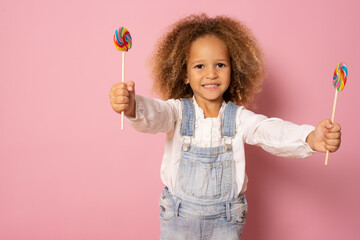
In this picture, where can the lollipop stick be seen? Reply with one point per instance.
(122, 80)
(332, 120)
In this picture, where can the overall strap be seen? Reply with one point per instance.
(188, 118)
(229, 120)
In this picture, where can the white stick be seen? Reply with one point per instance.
(122, 80)
(332, 120)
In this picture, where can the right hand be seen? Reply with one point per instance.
(122, 98)
(325, 137)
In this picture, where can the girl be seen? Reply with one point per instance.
(207, 70)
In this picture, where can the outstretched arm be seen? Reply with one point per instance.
(144, 114)
(326, 136)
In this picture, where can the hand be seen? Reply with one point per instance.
(326, 136)
(122, 98)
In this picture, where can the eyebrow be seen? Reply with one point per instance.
(220, 59)
(201, 60)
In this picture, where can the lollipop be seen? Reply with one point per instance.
(123, 42)
(340, 75)
(339, 81)
(122, 39)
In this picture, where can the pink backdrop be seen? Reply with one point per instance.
(67, 171)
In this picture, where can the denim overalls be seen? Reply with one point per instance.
(204, 204)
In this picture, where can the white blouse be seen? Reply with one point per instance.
(274, 135)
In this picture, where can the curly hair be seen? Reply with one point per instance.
(171, 53)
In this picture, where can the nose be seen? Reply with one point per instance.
(211, 73)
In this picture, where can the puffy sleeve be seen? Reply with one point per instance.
(154, 115)
(274, 135)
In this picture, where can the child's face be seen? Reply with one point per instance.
(208, 69)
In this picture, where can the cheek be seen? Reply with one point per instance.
(193, 75)
(228, 81)
(227, 76)
(227, 87)
(187, 76)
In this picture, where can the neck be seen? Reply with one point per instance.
(211, 109)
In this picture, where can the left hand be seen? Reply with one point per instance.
(326, 136)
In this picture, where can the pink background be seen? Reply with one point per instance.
(67, 171)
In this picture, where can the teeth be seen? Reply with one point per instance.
(210, 86)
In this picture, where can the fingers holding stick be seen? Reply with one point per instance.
(122, 98)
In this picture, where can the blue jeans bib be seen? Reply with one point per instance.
(204, 204)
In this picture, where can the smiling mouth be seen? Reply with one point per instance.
(211, 85)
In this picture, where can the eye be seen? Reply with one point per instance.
(220, 65)
(199, 66)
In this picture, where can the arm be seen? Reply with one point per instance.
(278, 137)
(144, 114)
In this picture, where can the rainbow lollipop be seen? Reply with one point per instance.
(340, 76)
(123, 42)
(339, 81)
(122, 39)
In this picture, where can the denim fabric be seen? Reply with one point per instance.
(188, 118)
(184, 220)
(204, 204)
(206, 175)
(228, 123)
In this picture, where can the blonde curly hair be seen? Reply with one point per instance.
(171, 53)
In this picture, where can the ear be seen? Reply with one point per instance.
(186, 81)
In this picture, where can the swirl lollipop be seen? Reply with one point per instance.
(122, 39)
(122, 42)
(340, 76)
(339, 81)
